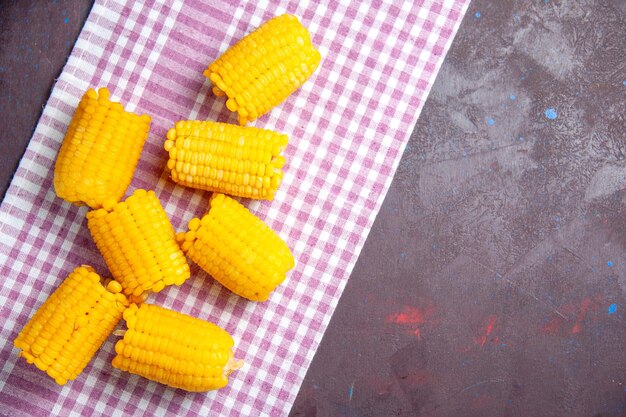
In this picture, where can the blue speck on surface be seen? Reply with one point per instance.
(612, 309)
(66, 20)
(609, 264)
(477, 15)
(490, 121)
(512, 96)
(624, 82)
(350, 391)
(551, 113)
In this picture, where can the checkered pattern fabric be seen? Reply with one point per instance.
(348, 127)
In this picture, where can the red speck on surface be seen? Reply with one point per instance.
(411, 315)
(559, 326)
(481, 339)
(552, 327)
(578, 326)
(412, 318)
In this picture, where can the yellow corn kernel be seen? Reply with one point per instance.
(68, 329)
(175, 349)
(100, 151)
(236, 160)
(264, 68)
(237, 249)
(137, 242)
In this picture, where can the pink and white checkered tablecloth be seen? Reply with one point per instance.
(348, 126)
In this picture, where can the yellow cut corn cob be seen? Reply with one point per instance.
(265, 67)
(68, 329)
(137, 242)
(175, 349)
(236, 160)
(100, 151)
(237, 249)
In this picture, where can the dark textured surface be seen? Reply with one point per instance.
(492, 283)
(36, 37)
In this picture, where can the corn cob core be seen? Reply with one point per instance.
(100, 151)
(137, 242)
(68, 329)
(175, 349)
(237, 249)
(236, 160)
(265, 67)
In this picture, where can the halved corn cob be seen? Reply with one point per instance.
(237, 249)
(175, 349)
(138, 244)
(236, 160)
(68, 329)
(100, 151)
(265, 67)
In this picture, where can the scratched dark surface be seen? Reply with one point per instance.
(493, 281)
(36, 37)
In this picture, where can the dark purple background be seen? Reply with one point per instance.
(492, 283)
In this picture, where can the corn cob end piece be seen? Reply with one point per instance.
(264, 68)
(237, 249)
(137, 242)
(67, 330)
(100, 151)
(175, 349)
(235, 160)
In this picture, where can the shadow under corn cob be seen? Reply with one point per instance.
(175, 349)
(236, 160)
(237, 249)
(265, 67)
(68, 329)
